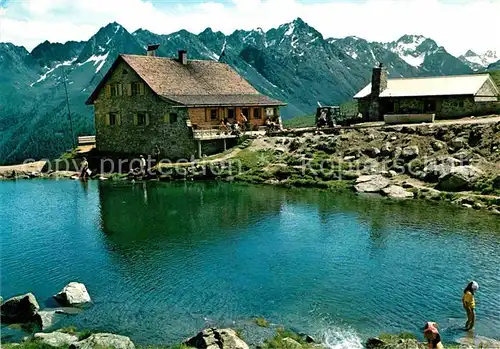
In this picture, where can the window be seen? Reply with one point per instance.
(124, 72)
(115, 90)
(269, 112)
(430, 106)
(141, 118)
(230, 113)
(137, 89)
(213, 114)
(112, 119)
(257, 113)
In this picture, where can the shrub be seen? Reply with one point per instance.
(260, 321)
(84, 335)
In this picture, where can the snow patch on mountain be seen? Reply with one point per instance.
(290, 30)
(477, 61)
(98, 60)
(44, 76)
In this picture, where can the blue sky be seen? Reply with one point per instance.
(458, 25)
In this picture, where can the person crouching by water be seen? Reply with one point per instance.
(432, 335)
(470, 304)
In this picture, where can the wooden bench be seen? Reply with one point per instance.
(82, 140)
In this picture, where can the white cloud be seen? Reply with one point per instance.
(456, 25)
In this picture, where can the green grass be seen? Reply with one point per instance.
(84, 335)
(69, 330)
(260, 321)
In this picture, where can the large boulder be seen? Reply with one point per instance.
(371, 183)
(410, 152)
(459, 178)
(213, 338)
(458, 142)
(73, 294)
(104, 340)
(372, 152)
(19, 309)
(439, 167)
(397, 192)
(56, 339)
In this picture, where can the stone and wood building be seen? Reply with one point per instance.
(175, 104)
(422, 99)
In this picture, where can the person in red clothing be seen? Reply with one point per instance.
(432, 335)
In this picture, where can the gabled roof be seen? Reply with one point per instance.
(432, 86)
(198, 82)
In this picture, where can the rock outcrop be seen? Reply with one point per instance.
(397, 192)
(73, 294)
(56, 339)
(213, 338)
(371, 183)
(459, 178)
(20, 309)
(104, 340)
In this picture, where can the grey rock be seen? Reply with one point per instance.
(386, 149)
(73, 294)
(458, 142)
(371, 184)
(349, 158)
(393, 138)
(372, 152)
(290, 343)
(56, 339)
(392, 173)
(437, 145)
(397, 192)
(370, 137)
(104, 340)
(410, 152)
(375, 343)
(467, 205)
(19, 309)
(213, 338)
(459, 178)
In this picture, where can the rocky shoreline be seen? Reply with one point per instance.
(454, 163)
(25, 310)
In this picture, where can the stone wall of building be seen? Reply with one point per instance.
(166, 127)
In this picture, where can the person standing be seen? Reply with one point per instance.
(84, 168)
(142, 165)
(469, 304)
(156, 154)
(432, 335)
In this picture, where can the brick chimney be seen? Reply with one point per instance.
(183, 57)
(379, 80)
(151, 50)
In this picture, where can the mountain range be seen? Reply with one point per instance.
(292, 62)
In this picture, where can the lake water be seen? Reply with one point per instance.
(161, 261)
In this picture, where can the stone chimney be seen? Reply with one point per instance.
(183, 57)
(151, 51)
(379, 84)
(379, 80)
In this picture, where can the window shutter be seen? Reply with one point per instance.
(141, 88)
(108, 91)
(106, 119)
(118, 119)
(135, 119)
(120, 89)
(166, 118)
(147, 119)
(129, 89)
